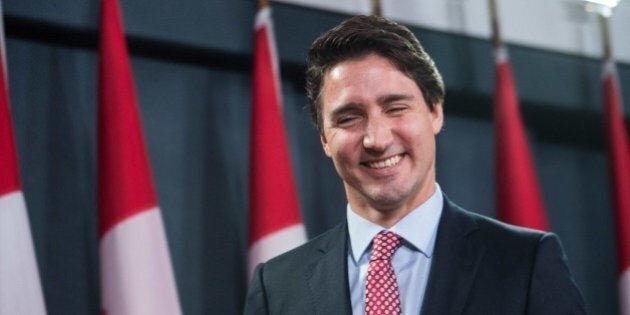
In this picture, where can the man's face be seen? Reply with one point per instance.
(380, 133)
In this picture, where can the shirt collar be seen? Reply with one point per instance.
(418, 228)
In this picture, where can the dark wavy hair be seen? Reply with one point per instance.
(360, 36)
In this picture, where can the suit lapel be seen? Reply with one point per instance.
(455, 261)
(328, 277)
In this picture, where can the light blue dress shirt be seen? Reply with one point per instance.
(412, 261)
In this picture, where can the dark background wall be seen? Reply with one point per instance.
(192, 64)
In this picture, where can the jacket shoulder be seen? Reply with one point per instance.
(504, 236)
(285, 284)
(306, 253)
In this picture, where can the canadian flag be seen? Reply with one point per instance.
(20, 287)
(275, 225)
(619, 164)
(519, 199)
(136, 271)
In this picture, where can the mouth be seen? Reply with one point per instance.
(389, 162)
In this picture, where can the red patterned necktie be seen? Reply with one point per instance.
(381, 292)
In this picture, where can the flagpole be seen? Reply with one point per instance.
(606, 44)
(494, 22)
(604, 10)
(377, 9)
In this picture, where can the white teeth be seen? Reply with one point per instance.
(386, 163)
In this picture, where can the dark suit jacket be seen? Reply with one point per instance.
(480, 266)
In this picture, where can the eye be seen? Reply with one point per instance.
(347, 120)
(396, 108)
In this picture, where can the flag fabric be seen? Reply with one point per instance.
(136, 271)
(519, 200)
(20, 286)
(619, 165)
(275, 225)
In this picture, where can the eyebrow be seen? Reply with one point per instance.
(390, 98)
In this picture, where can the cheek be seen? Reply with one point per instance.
(344, 149)
(418, 134)
(341, 152)
(414, 127)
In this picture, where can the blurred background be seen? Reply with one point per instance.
(192, 63)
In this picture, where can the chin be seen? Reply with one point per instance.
(386, 200)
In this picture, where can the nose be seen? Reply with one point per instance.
(377, 135)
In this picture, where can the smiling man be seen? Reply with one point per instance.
(376, 98)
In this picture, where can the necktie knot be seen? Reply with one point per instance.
(384, 246)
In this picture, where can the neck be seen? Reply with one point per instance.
(388, 214)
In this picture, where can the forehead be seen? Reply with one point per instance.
(364, 79)
(360, 62)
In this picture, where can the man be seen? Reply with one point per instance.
(376, 99)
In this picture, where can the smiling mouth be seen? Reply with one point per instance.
(384, 163)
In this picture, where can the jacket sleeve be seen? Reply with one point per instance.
(256, 301)
(552, 289)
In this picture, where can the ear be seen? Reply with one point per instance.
(437, 118)
(325, 146)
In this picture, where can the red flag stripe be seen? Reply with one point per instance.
(519, 199)
(273, 198)
(136, 271)
(125, 184)
(619, 161)
(9, 177)
(20, 285)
